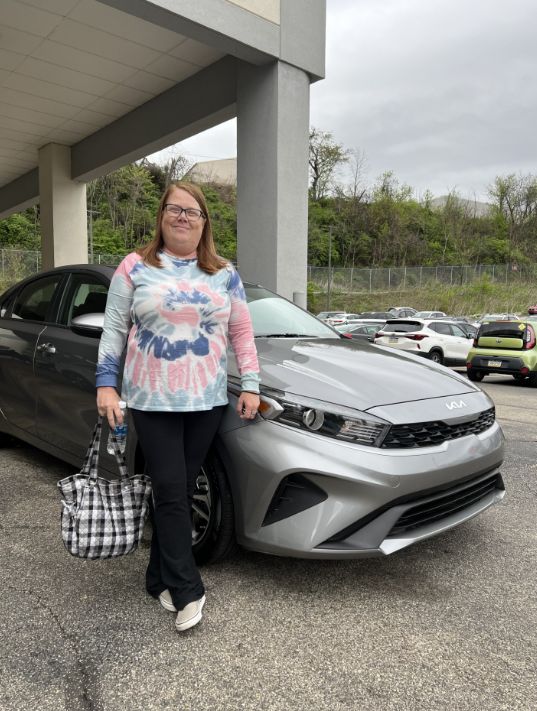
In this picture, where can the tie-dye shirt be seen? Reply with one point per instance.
(176, 321)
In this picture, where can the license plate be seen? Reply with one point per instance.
(494, 364)
(392, 339)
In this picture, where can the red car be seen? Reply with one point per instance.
(532, 310)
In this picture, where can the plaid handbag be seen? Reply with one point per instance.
(101, 518)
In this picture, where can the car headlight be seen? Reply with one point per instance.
(323, 418)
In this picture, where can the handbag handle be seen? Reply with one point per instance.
(91, 461)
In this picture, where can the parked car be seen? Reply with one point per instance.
(429, 314)
(505, 348)
(401, 311)
(498, 317)
(333, 318)
(379, 315)
(356, 450)
(467, 326)
(360, 330)
(440, 341)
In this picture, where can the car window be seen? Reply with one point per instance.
(402, 326)
(274, 316)
(457, 331)
(33, 301)
(86, 294)
(442, 328)
(503, 329)
(6, 304)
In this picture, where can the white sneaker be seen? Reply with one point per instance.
(190, 615)
(166, 601)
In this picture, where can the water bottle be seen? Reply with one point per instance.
(120, 431)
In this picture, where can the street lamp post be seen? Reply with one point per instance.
(90, 231)
(329, 289)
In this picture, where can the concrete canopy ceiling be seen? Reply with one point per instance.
(71, 67)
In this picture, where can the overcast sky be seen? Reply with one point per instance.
(442, 92)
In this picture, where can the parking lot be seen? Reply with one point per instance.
(448, 623)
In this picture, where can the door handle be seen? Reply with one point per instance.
(46, 348)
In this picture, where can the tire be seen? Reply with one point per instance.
(532, 380)
(213, 516)
(475, 377)
(519, 377)
(436, 356)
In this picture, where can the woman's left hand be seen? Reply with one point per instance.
(248, 405)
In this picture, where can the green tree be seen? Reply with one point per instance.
(21, 230)
(515, 200)
(325, 156)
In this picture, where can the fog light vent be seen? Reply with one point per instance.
(294, 494)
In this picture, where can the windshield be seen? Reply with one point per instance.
(502, 330)
(273, 316)
(402, 326)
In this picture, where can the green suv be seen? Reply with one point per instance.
(504, 348)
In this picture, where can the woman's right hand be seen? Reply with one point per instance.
(108, 406)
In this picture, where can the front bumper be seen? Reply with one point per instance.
(367, 490)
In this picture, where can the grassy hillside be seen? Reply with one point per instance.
(477, 298)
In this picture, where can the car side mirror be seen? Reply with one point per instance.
(90, 325)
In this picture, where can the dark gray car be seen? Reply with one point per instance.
(358, 450)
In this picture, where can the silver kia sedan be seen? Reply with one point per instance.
(358, 450)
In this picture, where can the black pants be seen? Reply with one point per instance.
(174, 445)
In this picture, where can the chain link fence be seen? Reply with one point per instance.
(17, 264)
(354, 280)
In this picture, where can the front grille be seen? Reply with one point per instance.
(427, 434)
(445, 504)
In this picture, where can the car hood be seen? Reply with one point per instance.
(352, 373)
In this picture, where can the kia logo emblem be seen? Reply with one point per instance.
(454, 405)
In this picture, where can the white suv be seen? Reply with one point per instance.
(440, 341)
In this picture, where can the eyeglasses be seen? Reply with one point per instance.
(191, 213)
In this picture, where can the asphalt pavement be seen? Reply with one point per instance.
(450, 623)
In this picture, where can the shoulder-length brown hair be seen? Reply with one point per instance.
(208, 259)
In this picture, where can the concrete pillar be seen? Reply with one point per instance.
(272, 176)
(62, 201)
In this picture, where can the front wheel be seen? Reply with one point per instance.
(213, 517)
(475, 377)
(436, 357)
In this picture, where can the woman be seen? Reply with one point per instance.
(178, 302)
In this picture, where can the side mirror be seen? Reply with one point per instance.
(90, 325)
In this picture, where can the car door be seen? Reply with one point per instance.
(65, 365)
(461, 342)
(443, 337)
(22, 323)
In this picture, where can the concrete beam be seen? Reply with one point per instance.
(303, 35)
(221, 25)
(19, 194)
(201, 101)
